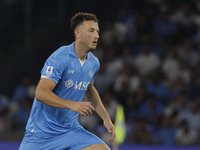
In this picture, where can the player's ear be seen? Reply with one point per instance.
(77, 33)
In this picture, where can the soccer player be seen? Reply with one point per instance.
(67, 77)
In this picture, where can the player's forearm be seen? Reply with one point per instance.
(48, 97)
(101, 111)
(93, 96)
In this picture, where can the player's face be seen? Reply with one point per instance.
(89, 34)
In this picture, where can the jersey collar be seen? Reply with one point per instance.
(73, 52)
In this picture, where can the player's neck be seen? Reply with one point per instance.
(81, 51)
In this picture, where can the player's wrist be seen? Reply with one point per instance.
(69, 104)
(107, 120)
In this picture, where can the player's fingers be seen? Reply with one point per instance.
(85, 111)
(89, 110)
(89, 104)
(82, 113)
(91, 107)
(112, 137)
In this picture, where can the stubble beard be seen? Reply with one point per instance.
(91, 48)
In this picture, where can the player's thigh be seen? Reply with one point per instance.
(97, 147)
(28, 146)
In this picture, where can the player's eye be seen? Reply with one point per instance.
(91, 30)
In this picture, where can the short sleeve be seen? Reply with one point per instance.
(97, 69)
(54, 67)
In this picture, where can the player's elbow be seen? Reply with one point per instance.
(38, 94)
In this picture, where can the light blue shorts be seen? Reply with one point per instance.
(75, 139)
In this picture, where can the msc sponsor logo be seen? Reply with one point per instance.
(77, 86)
(69, 83)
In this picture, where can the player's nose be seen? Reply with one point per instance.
(97, 35)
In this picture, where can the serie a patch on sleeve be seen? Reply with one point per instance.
(49, 70)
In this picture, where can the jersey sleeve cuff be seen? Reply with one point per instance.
(43, 76)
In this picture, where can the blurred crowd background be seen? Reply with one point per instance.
(149, 52)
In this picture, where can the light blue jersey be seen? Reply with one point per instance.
(72, 78)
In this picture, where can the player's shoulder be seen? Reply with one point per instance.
(61, 51)
(61, 54)
(93, 58)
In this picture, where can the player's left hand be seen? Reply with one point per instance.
(111, 129)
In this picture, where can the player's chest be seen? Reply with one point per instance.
(77, 71)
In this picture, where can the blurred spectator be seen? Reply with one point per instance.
(140, 135)
(184, 73)
(170, 64)
(185, 136)
(123, 93)
(122, 76)
(23, 92)
(110, 104)
(140, 94)
(125, 29)
(151, 109)
(126, 57)
(157, 87)
(113, 63)
(134, 81)
(102, 79)
(20, 119)
(99, 52)
(185, 16)
(132, 104)
(195, 87)
(128, 76)
(163, 26)
(146, 62)
(109, 33)
(192, 116)
(131, 108)
(166, 134)
(174, 118)
(177, 86)
(155, 129)
(180, 105)
(188, 54)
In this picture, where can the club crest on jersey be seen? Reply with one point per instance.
(91, 73)
(49, 70)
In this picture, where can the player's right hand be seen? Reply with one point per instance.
(83, 108)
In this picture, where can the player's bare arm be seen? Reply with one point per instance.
(44, 94)
(93, 97)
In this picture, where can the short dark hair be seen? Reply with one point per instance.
(81, 17)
